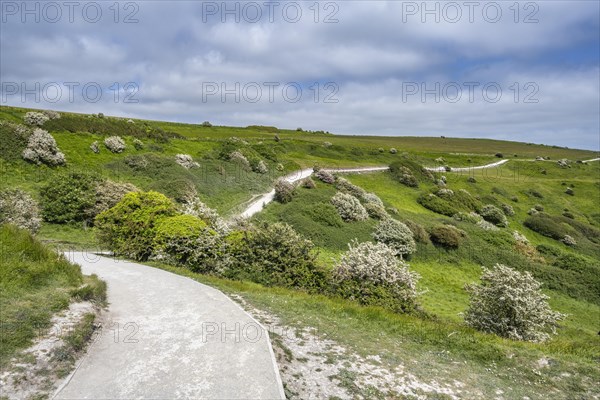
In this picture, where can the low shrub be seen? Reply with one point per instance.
(569, 240)
(69, 197)
(393, 150)
(284, 191)
(308, 183)
(129, 227)
(192, 205)
(138, 144)
(493, 214)
(108, 194)
(51, 114)
(420, 234)
(539, 207)
(508, 210)
(346, 186)
(14, 140)
(35, 118)
(570, 191)
(275, 255)
(471, 179)
(240, 159)
(371, 274)
(437, 204)
(20, 209)
(206, 124)
(396, 235)
(349, 207)
(42, 149)
(325, 176)
(115, 144)
(95, 147)
(376, 211)
(545, 225)
(510, 304)
(446, 236)
(261, 167)
(186, 161)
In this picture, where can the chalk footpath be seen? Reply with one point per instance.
(167, 336)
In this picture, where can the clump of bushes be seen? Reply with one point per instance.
(129, 227)
(376, 211)
(115, 144)
(108, 194)
(20, 209)
(69, 197)
(372, 275)
(325, 176)
(346, 186)
(308, 183)
(396, 235)
(493, 214)
(51, 114)
(275, 255)
(284, 191)
(240, 159)
(510, 304)
(192, 205)
(35, 118)
(545, 225)
(569, 240)
(42, 149)
(349, 207)
(420, 234)
(186, 161)
(446, 236)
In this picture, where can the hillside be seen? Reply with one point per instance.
(539, 203)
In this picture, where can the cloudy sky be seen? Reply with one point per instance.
(526, 71)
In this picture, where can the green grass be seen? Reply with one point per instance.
(35, 283)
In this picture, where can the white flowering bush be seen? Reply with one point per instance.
(493, 214)
(308, 183)
(108, 194)
(345, 186)
(519, 237)
(115, 144)
(261, 167)
(284, 191)
(95, 147)
(376, 211)
(195, 207)
(20, 209)
(396, 235)
(563, 163)
(130, 121)
(471, 217)
(42, 149)
(349, 207)
(444, 193)
(393, 150)
(327, 144)
(372, 198)
(325, 176)
(371, 274)
(186, 161)
(51, 114)
(569, 240)
(487, 226)
(510, 304)
(35, 118)
(240, 159)
(508, 210)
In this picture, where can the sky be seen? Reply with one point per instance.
(524, 71)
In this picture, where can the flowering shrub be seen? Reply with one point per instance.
(349, 207)
(129, 227)
(130, 121)
(508, 210)
(261, 167)
(563, 163)
(325, 176)
(372, 275)
(138, 144)
(186, 161)
(372, 198)
(42, 149)
(396, 235)
(471, 217)
(510, 304)
(569, 240)
(108, 194)
(115, 144)
(445, 193)
(35, 118)
(393, 150)
(419, 233)
(95, 147)
(345, 186)
(308, 183)
(376, 211)
(284, 191)
(493, 214)
(20, 209)
(192, 205)
(240, 159)
(487, 226)
(51, 114)
(327, 144)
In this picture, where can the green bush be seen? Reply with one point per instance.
(545, 225)
(419, 232)
(129, 228)
(395, 235)
(69, 197)
(14, 140)
(325, 214)
(437, 204)
(409, 172)
(275, 255)
(446, 236)
(493, 214)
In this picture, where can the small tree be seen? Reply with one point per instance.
(372, 275)
(284, 190)
(349, 207)
(20, 209)
(396, 235)
(115, 144)
(510, 304)
(42, 149)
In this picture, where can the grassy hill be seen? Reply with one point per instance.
(439, 344)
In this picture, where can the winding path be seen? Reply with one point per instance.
(258, 204)
(169, 337)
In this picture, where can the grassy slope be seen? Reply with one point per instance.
(35, 283)
(480, 360)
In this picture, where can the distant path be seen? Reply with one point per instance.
(258, 204)
(592, 160)
(168, 337)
